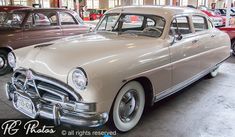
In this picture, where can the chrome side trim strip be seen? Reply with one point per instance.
(172, 63)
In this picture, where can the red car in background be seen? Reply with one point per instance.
(231, 32)
(5, 9)
(95, 14)
(217, 20)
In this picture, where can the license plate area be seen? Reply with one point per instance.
(24, 105)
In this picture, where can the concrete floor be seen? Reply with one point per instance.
(204, 109)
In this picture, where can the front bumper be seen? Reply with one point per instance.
(31, 99)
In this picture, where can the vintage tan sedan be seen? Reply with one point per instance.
(136, 56)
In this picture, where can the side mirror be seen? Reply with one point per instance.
(179, 37)
(176, 37)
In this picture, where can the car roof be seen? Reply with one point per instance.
(42, 9)
(13, 6)
(9, 8)
(158, 10)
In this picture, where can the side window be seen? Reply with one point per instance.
(67, 19)
(199, 23)
(132, 21)
(53, 19)
(29, 22)
(180, 25)
(45, 19)
(16, 19)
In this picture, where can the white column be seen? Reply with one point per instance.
(206, 3)
(77, 6)
(171, 2)
(228, 12)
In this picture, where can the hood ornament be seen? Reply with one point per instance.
(29, 75)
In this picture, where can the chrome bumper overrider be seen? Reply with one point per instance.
(33, 101)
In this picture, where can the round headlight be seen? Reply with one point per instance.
(11, 59)
(79, 79)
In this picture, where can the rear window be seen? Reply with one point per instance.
(199, 23)
(67, 19)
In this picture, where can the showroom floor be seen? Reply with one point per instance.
(205, 109)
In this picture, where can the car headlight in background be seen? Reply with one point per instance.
(11, 59)
(79, 79)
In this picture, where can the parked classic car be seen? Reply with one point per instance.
(231, 32)
(223, 12)
(217, 19)
(118, 70)
(24, 27)
(95, 14)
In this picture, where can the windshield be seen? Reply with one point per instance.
(2, 16)
(14, 19)
(147, 25)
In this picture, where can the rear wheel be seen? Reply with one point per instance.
(128, 106)
(4, 66)
(214, 73)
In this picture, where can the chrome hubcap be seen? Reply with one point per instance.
(128, 106)
(1, 62)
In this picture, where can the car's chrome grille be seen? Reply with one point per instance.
(37, 95)
(40, 86)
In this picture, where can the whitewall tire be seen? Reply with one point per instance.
(128, 106)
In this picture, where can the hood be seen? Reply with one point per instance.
(58, 58)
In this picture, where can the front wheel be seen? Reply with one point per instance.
(4, 66)
(128, 106)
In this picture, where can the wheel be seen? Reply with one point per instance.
(4, 66)
(128, 107)
(214, 73)
(233, 47)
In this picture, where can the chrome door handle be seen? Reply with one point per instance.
(213, 35)
(194, 41)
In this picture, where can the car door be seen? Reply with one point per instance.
(70, 25)
(42, 26)
(183, 50)
(204, 32)
(212, 53)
